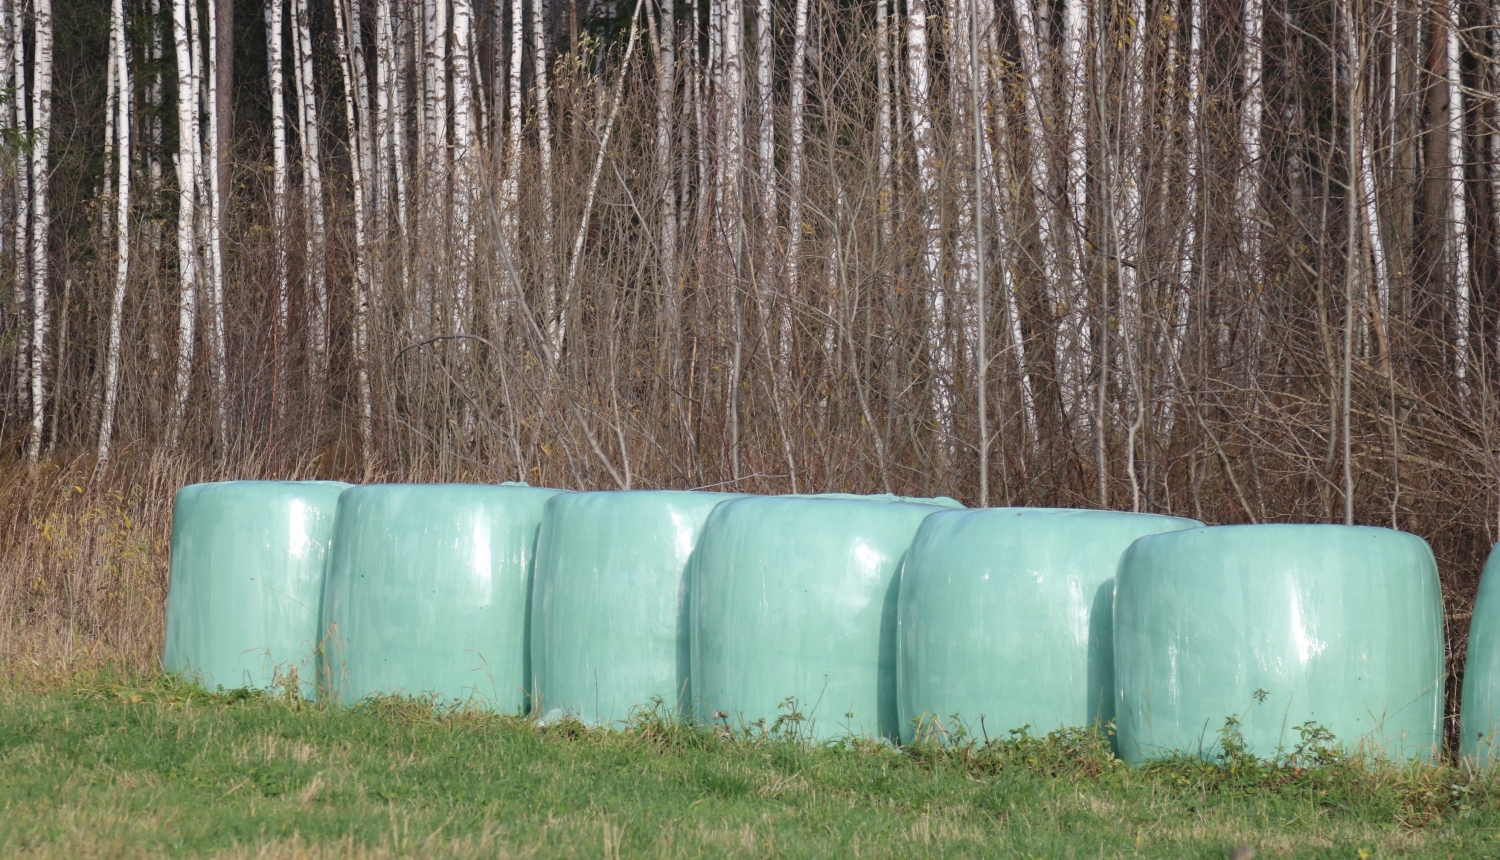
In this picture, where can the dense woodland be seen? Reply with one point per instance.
(1233, 259)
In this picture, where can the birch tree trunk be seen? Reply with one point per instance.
(1130, 256)
(765, 150)
(464, 167)
(281, 298)
(510, 188)
(1458, 224)
(215, 230)
(796, 186)
(1075, 135)
(1364, 185)
(1177, 324)
(188, 149)
(886, 152)
(1247, 197)
(22, 220)
(543, 101)
(41, 119)
(314, 219)
(666, 88)
(361, 322)
(924, 143)
(962, 104)
(118, 58)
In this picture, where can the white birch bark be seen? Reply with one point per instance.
(361, 333)
(187, 253)
(21, 254)
(1494, 76)
(943, 358)
(313, 213)
(111, 92)
(666, 88)
(1129, 253)
(543, 100)
(510, 187)
(1034, 99)
(765, 142)
(1252, 97)
(1075, 135)
(281, 297)
(1364, 189)
(118, 59)
(1177, 324)
(796, 185)
(41, 119)
(886, 146)
(464, 167)
(215, 231)
(924, 144)
(1458, 225)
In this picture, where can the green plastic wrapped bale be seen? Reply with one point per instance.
(1327, 628)
(246, 581)
(794, 598)
(1006, 618)
(427, 593)
(1481, 701)
(609, 629)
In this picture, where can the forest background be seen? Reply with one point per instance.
(1230, 259)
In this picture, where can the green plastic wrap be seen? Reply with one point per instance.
(609, 626)
(1481, 699)
(246, 581)
(1277, 626)
(1006, 618)
(794, 598)
(427, 593)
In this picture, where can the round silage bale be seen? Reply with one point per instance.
(1481, 694)
(1006, 619)
(1278, 627)
(794, 611)
(427, 593)
(246, 580)
(609, 631)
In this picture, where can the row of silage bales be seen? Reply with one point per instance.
(428, 590)
(747, 607)
(793, 613)
(609, 625)
(1006, 619)
(1480, 708)
(1278, 627)
(246, 582)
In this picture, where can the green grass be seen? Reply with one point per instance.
(124, 767)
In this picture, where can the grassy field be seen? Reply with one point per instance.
(120, 766)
